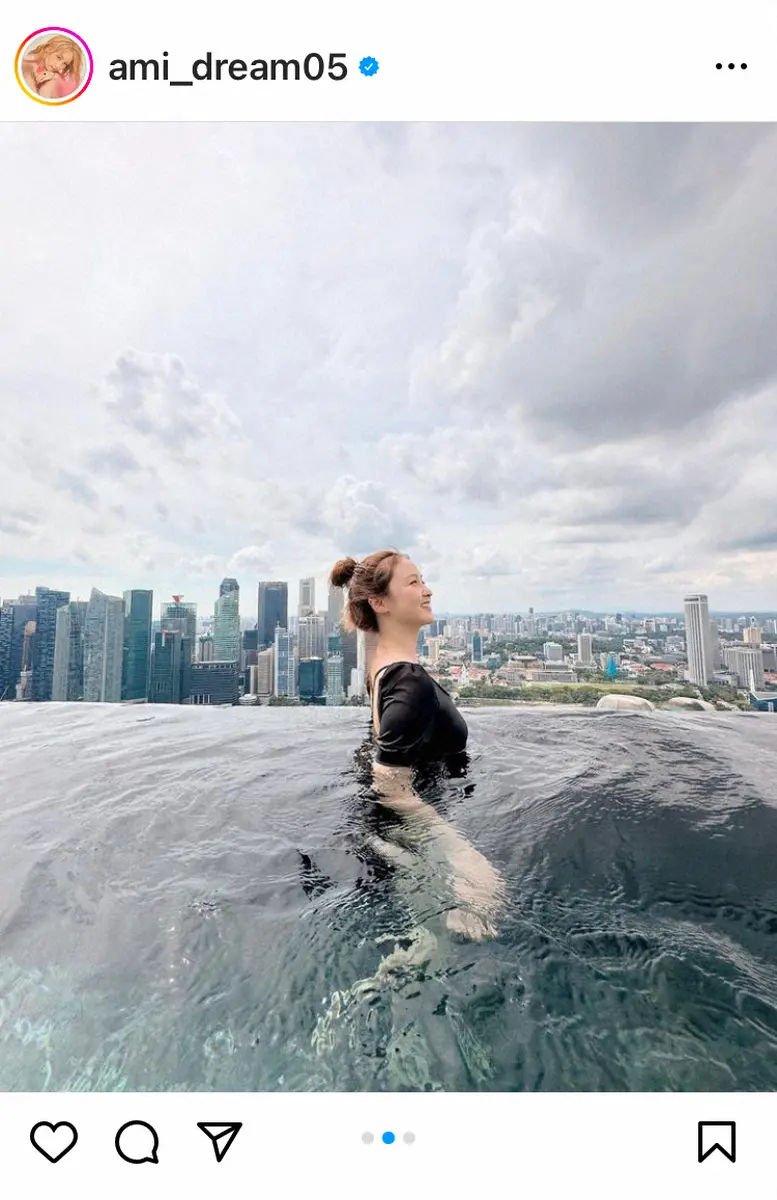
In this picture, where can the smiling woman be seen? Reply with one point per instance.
(414, 721)
(54, 69)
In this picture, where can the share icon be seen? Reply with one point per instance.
(221, 1134)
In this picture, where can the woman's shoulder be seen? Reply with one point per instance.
(402, 674)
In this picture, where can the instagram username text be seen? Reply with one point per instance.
(313, 67)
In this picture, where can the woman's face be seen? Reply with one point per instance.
(58, 61)
(409, 597)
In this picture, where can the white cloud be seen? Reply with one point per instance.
(539, 359)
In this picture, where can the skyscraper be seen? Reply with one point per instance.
(584, 653)
(165, 685)
(307, 596)
(311, 678)
(311, 636)
(180, 616)
(226, 623)
(68, 681)
(285, 664)
(138, 611)
(273, 609)
(103, 648)
(335, 605)
(47, 602)
(14, 615)
(697, 639)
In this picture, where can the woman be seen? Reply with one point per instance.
(414, 722)
(54, 68)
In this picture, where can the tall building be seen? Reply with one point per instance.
(138, 613)
(273, 610)
(68, 681)
(166, 667)
(24, 686)
(335, 693)
(747, 662)
(752, 636)
(285, 664)
(14, 615)
(307, 596)
(47, 602)
(698, 640)
(226, 623)
(311, 678)
(213, 683)
(553, 652)
(103, 648)
(350, 652)
(311, 636)
(181, 617)
(262, 676)
(335, 606)
(584, 649)
(477, 647)
(717, 658)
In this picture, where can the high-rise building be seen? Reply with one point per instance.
(138, 614)
(747, 662)
(262, 675)
(311, 636)
(311, 678)
(477, 648)
(165, 686)
(335, 693)
(68, 680)
(307, 596)
(698, 640)
(226, 623)
(752, 636)
(103, 648)
(181, 617)
(285, 682)
(553, 652)
(584, 649)
(47, 602)
(350, 652)
(24, 686)
(717, 659)
(212, 683)
(14, 615)
(273, 610)
(335, 606)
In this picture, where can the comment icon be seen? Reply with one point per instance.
(138, 1142)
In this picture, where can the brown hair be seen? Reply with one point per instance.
(369, 578)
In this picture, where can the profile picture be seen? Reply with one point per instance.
(54, 66)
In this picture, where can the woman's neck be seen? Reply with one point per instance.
(398, 647)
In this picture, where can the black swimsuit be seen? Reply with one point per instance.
(417, 718)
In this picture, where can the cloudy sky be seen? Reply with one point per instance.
(541, 359)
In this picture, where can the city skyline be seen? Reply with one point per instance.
(537, 358)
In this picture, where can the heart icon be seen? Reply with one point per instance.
(51, 1144)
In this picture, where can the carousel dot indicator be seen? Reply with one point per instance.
(388, 1138)
(368, 1138)
(409, 1138)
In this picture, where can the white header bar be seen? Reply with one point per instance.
(407, 61)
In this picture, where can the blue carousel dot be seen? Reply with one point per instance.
(388, 1138)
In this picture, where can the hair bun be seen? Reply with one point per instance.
(342, 572)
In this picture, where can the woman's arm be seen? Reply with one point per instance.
(475, 880)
